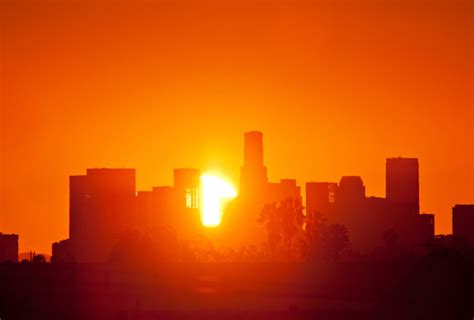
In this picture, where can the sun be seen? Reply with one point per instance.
(213, 191)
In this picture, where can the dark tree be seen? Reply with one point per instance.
(269, 216)
(38, 258)
(326, 240)
(292, 219)
(314, 230)
(282, 221)
(335, 240)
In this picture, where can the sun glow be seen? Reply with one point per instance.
(213, 191)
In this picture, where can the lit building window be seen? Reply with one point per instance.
(331, 193)
(192, 198)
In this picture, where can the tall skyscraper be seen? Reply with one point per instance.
(463, 221)
(8, 247)
(78, 195)
(253, 174)
(402, 186)
(253, 149)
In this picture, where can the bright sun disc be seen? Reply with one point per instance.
(213, 191)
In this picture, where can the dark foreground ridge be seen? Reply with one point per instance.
(436, 286)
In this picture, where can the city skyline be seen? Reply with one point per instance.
(105, 209)
(260, 159)
(340, 87)
(236, 159)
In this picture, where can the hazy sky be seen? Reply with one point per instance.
(336, 87)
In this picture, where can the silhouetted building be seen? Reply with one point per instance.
(351, 190)
(62, 252)
(426, 227)
(402, 190)
(320, 196)
(240, 216)
(102, 208)
(78, 197)
(350, 209)
(367, 219)
(463, 221)
(144, 208)
(187, 184)
(402, 186)
(187, 219)
(255, 190)
(159, 207)
(253, 174)
(164, 207)
(8, 247)
(283, 190)
(374, 222)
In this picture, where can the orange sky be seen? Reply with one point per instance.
(336, 87)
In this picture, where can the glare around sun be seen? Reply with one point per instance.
(213, 191)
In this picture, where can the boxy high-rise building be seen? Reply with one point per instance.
(78, 196)
(283, 190)
(320, 196)
(185, 216)
(463, 221)
(253, 174)
(351, 190)
(187, 182)
(402, 184)
(102, 208)
(8, 247)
